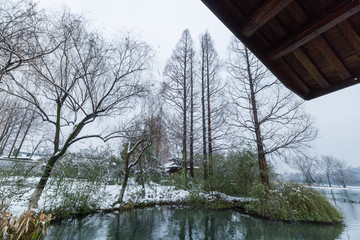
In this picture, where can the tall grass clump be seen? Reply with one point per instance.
(29, 226)
(292, 202)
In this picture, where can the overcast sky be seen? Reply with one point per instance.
(161, 22)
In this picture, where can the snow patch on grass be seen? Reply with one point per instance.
(106, 195)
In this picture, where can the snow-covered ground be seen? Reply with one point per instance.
(105, 195)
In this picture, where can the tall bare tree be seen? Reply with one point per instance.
(177, 88)
(269, 115)
(211, 103)
(192, 112)
(83, 81)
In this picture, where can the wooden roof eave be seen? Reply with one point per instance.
(243, 28)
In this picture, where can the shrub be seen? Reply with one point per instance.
(292, 202)
(73, 196)
(236, 174)
(77, 185)
(15, 181)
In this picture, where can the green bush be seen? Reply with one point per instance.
(236, 174)
(292, 202)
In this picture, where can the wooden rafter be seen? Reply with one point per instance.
(350, 34)
(294, 76)
(266, 12)
(331, 57)
(297, 13)
(316, 28)
(310, 67)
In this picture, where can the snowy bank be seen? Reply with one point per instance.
(106, 195)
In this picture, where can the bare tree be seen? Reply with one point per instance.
(153, 113)
(20, 128)
(191, 120)
(342, 173)
(83, 81)
(212, 105)
(132, 157)
(8, 121)
(144, 131)
(327, 165)
(307, 166)
(21, 24)
(16, 122)
(175, 90)
(268, 114)
(31, 117)
(334, 169)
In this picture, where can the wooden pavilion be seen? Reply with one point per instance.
(311, 46)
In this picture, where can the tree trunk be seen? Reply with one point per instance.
(8, 124)
(5, 141)
(191, 119)
(259, 143)
(205, 157)
(209, 127)
(57, 155)
(328, 178)
(13, 145)
(43, 180)
(184, 144)
(263, 168)
(142, 178)
(126, 177)
(25, 134)
(124, 184)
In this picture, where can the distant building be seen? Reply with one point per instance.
(24, 157)
(174, 165)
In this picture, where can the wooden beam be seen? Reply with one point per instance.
(331, 57)
(334, 87)
(316, 28)
(351, 36)
(297, 13)
(310, 67)
(262, 15)
(294, 77)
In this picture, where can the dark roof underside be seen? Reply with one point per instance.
(312, 46)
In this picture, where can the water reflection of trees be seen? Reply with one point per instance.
(187, 223)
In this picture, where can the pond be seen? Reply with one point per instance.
(348, 201)
(188, 223)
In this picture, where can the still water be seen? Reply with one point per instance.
(188, 223)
